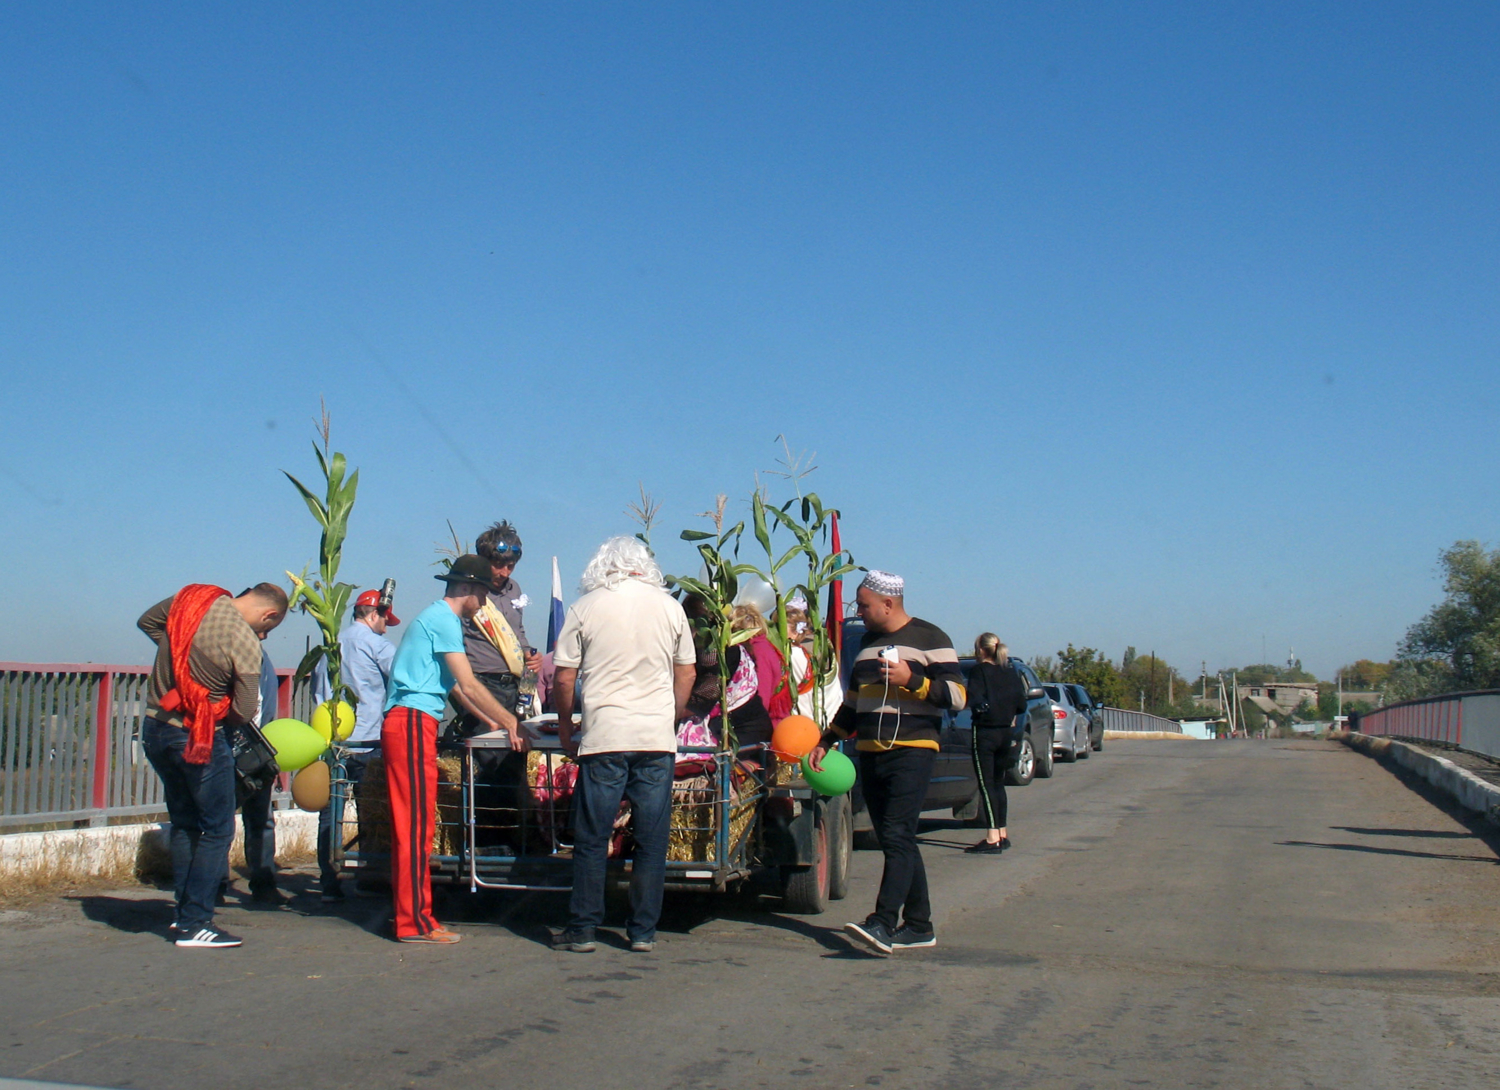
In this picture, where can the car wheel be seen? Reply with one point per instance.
(805, 889)
(1068, 753)
(1085, 749)
(1045, 762)
(840, 846)
(1099, 745)
(1023, 771)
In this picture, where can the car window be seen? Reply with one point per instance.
(1052, 691)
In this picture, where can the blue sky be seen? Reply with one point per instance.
(1108, 323)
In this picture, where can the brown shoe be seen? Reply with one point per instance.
(441, 937)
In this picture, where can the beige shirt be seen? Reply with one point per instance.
(624, 642)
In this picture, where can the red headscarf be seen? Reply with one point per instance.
(199, 713)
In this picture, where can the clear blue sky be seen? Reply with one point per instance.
(1164, 325)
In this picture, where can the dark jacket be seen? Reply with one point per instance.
(999, 690)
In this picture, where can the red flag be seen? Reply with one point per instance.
(835, 616)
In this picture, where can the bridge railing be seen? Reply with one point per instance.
(1124, 719)
(1468, 721)
(70, 750)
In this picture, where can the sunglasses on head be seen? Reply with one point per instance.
(501, 553)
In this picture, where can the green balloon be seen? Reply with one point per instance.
(836, 777)
(297, 745)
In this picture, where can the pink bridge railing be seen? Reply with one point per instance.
(70, 750)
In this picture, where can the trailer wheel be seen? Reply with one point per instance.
(841, 845)
(805, 889)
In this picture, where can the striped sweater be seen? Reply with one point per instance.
(883, 716)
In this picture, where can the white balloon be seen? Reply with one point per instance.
(755, 591)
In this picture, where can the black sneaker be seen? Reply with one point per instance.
(580, 942)
(909, 939)
(333, 895)
(269, 896)
(872, 933)
(984, 847)
(206, 938)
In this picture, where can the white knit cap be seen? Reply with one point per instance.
(884, 583)
(797, 601)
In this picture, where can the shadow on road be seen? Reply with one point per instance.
(1388, 851)
(132, 915)
(1433, 833)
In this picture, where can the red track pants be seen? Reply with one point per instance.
(408, 742)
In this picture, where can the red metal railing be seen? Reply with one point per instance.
(1435, 719)
(70, 742)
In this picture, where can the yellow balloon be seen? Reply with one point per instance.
(311, 787)
(333, 721)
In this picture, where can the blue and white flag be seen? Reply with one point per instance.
(555, 617)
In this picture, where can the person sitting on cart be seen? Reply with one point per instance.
(429, 663)
(629, 642)
(703, 721)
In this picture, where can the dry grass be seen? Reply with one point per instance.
(68, 864)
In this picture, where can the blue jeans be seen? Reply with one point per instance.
(200, 804)
(354, 772)
(603, 779)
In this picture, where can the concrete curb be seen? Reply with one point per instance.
(1465, 788)
(1147, 735)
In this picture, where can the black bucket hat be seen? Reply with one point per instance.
(469, 569)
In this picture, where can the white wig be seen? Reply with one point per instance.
(619, 559)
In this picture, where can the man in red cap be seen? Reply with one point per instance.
(367, 656)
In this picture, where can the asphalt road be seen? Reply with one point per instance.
(1174, 914)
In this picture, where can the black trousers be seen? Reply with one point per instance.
(991, 759)
(895, 786)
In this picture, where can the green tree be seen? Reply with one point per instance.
(1091, 669)
(1457, 645)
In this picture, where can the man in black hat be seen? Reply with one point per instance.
(429, 665)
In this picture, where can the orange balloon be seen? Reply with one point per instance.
(794, 737)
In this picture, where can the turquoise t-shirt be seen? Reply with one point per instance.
(420, 677)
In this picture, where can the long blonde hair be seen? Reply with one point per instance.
(987, 646)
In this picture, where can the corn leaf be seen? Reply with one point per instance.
(314, 504)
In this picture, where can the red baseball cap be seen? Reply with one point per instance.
(372, 598)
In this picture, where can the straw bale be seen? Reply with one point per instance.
(374, 808)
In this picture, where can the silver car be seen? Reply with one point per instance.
(1070, 725)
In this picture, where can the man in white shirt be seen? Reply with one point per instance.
(629, 642)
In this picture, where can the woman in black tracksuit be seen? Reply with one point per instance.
(996, 696)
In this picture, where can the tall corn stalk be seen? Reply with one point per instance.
(324, 598)
(720, 551)
(822, 570)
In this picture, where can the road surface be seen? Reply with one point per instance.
(1174, 914)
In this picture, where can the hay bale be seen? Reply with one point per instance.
(373, 808)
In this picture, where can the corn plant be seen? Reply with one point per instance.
(324, 598)
(719, 549)
(822, 570)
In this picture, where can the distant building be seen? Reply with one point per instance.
(1281, 697)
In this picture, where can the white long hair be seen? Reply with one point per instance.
(619, 559)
